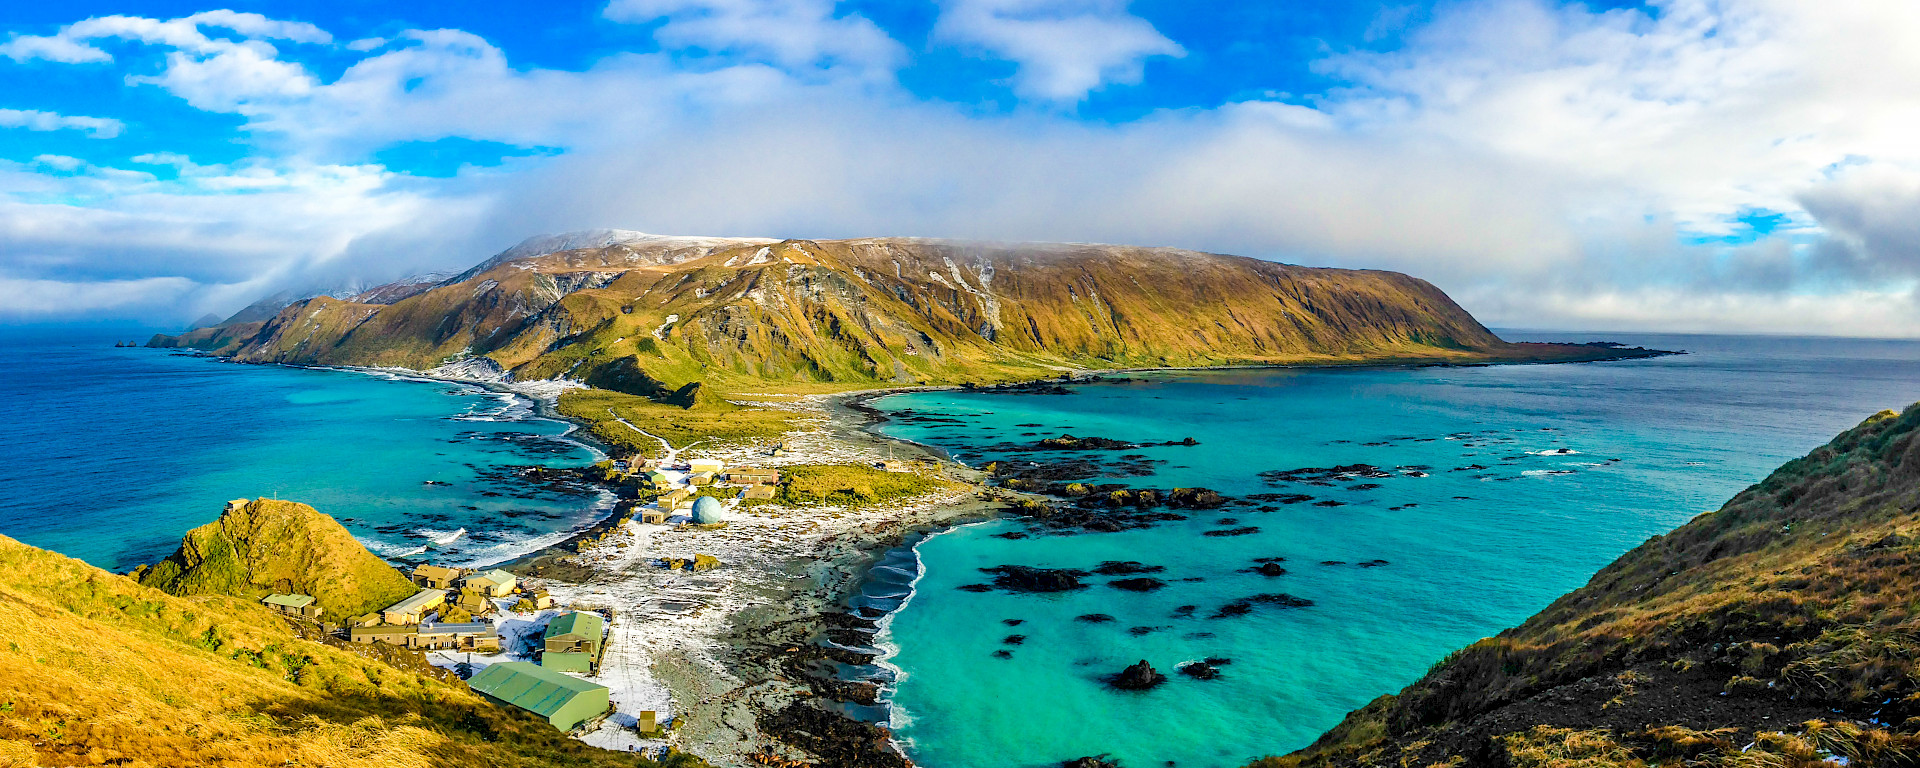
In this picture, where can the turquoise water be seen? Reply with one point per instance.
(112, 454)
(1468, 552)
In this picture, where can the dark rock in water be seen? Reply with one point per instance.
(1219, 661)
(1329, 503)
(975, 587)
(1095, 761)
(1140, 631)
(1093, 618)
(1333, 562)
(1011, 535)
(1194, 498)
(1270, 569)
(1013, 622)
(1126, 568)
(1139, 584)
(1373, 563)
(1003, 654)
(1071, 443)
(1246, 531)
(1200, 670)
(1227, 521)
(1245, 605)
(1269, 559)
(1138, 677)
(1026, 578)
(1184, 611)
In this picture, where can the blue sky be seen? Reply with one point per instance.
(1682, 165)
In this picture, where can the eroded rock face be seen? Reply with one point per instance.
(1138, 677)
(1094, 761)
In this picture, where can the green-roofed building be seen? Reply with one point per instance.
(574, 632)
(293, 605)
(563, 701)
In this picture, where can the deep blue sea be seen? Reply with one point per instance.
(111, 454)
(1507, 487)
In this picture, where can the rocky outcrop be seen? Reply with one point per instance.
(1025, 578)
(1138, 677)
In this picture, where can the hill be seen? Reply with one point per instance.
(100, 669)
(1780, 630)
(265, 546)
(649, 315)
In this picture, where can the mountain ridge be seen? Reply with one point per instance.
(745, 312)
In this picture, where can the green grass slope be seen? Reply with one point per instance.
(265, 546)
(1781, 630)
(98, 669)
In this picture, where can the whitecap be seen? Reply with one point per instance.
(1546, 472)
(1555, 452)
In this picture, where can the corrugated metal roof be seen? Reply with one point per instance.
(525, 685)
(290, 601)
(419, 601)
(576, 623)
(463, 628)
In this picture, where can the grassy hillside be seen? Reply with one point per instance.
(653, 318)
(265, 546)
(1780, 630)
(96, 668)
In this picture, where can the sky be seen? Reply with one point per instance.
(1685, 165)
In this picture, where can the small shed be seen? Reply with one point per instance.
(565, 702)
(410, 610)
(301, 606)
(574, 631)
(657, 480)
(494, 583)
(702, 478)
(757, 492)
(435, 577)
(654, 516)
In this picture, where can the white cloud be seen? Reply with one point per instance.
(1065, 49)
(31, 298)
(1549, 165)
(794, 34)
(37, 120)
(54, 48)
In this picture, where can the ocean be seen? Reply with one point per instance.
(113, 453)
(1501, 488)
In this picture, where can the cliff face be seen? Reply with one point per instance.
(97, 669)
(265, 546)
(1785, 621)
(720, 310)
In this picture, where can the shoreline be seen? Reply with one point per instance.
(768, 636)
